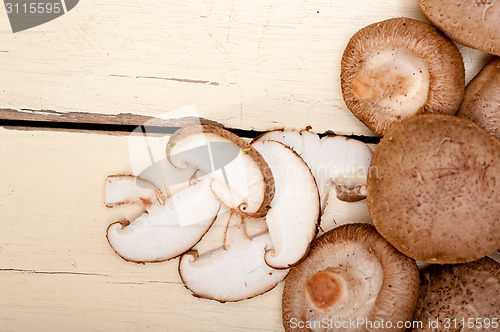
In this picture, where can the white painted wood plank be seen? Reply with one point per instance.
(57, 271)
(41, 302)
(246, 64)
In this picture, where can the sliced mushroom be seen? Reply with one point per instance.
(350, 274)
(335, 161)
(124, 188)
(394, 69)
(461, 294)
(232, 273)
(481, 102)
(293, 216)
(242, 179)
(165, 230)
(472, 23)
(434, 190)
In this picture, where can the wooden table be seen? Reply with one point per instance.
(248, 65)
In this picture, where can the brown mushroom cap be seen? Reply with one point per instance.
(459, 291)
(400, 67)
(481, 102)
(351, 272)
(471, 23)
(434, 189)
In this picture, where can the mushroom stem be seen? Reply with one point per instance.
(362, 86)
(325, 289)
(350, 189)
(381, 84)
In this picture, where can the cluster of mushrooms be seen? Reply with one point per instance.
(432, 187)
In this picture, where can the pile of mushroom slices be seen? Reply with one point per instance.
(283, 179)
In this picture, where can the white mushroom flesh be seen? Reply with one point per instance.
(293, 217)
(147, 159)
(337, 163)
(122, 189)
(166, 231)
(238, 180)
(232, 273)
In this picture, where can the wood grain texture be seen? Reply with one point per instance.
(57, 271)
(245, 64)
(122, 119)
(251, 65)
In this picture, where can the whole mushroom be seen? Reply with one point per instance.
(474, 23)
(394, 69)
(454, 296)
(235, 272)
(351, 274)
(481, 102)
(433, 189)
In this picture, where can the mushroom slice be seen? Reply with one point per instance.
(292, 219)
(467, 292)
(242, 180)
(336, 162)
(166, 230)
(472, 23)
(232, 273)
(350, 274)
(394, 69)
(124, 188)
(434, 193)
(481, 102)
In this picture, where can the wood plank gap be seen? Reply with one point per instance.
(122, 119)
(120, 124)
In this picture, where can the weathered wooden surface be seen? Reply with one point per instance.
(245, 64)
(57, 271)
